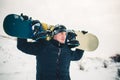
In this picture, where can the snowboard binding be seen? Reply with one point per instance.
(37, 28)
(71, 39)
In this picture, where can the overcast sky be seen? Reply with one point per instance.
(102, 17)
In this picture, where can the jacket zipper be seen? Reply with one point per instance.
(57, 62)
(58, 56)
(59, 52)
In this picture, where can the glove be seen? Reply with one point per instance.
(42, 35)
(71, 39)
(71, 35)
(73, 43)
(39, 35)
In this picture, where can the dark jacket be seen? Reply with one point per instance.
(53, 59)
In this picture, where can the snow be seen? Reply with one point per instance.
(15, 65)
(93, 70)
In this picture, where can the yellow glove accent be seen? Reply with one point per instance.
(51, 27)
(45, 26)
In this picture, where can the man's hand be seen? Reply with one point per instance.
(71, 39)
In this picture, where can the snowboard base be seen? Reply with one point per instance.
(88, 41)
(15, 25)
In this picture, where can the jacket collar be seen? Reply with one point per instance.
(56, 43)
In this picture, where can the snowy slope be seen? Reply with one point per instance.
(15, 65)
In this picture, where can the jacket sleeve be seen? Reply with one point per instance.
(27, 47)
(77, 54)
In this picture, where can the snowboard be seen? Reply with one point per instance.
(15, 25)
(22, 26)
(25, 27)
(88, 41)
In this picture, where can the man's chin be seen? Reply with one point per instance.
(62, 42)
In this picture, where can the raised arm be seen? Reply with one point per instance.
(77, 54)
(28, 47)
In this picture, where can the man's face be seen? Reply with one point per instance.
(61, 37)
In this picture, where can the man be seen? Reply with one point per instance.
(53, 57)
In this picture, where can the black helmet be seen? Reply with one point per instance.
(59, 28)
